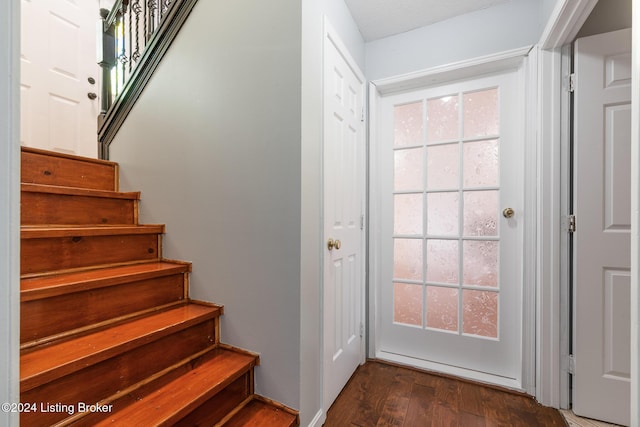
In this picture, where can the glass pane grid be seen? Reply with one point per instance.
(459, 210)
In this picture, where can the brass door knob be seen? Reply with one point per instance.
(334, 244)
(508, 212)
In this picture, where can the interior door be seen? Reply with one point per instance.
(450, 296)
(602, 261)
(344, 153)
(58, 57)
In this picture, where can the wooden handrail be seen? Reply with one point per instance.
(135, 36)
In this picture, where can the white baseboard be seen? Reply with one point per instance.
(319, 419)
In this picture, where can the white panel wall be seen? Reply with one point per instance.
(503, 27)
(214, 146)
(312, 245)
(9, 207)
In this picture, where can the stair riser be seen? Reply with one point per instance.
(62, 253)
(99, 381)
(219, 405)
(50, 316)
(38, 168)
(44, 208)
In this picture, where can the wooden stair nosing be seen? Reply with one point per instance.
(50, 286)
(54, 361)
(27, 345)
(78, 191)
(39, 232)
(176, 399)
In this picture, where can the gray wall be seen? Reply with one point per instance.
(607, 15)
(214, 146)
(9, 208)
(503, 27)
(547, 7)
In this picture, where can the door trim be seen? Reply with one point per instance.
(635, 222)
(553, 334)
(330, 35)
(526, 62)
(9, 206)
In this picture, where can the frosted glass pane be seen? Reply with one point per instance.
(407, 304)
(442, 261)
(442, 119)
(480, 263)
(407, 172)
(481, 213)
(480, 313)
(407, 124)
(480, 163)
(481, 113)
(407, 211)
(442, 308)
(442, 214)
(407, 259)
(443, 166)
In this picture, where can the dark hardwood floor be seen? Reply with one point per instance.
(380, 394)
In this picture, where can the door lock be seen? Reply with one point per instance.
(508, 212)
(334, 244)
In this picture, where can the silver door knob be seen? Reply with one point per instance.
(508, 212)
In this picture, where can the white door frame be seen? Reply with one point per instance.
(525, 57)
(635, 222)
(9, 206)
(553, 270)
(553, 343)
(330, 35)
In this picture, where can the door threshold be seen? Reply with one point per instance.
(507, 384)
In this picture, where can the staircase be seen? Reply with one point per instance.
(109, 335)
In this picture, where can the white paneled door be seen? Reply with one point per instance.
(451, 175)
(344, 160)
(602, 192)
(58, 57)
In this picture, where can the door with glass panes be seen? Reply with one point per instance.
(451, 171)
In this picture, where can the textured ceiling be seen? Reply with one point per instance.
(381, 18)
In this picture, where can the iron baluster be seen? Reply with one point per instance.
(137, 9)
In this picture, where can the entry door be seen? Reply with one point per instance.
(58, 58)
(344, 154)
(602, 245)
(450, 296)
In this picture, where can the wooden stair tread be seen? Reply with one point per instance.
(54, 361)
(77, 191)
(261, 414)
(171, 402)
(40, 232)
(49, 286)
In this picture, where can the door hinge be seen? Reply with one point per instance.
(362, 115)
(572, 364)
(571, 226)
(361, 329)
(572, 82)
(362, 222)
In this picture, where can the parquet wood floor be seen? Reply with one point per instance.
(383, 395)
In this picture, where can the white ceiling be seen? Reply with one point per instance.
(381, 18)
